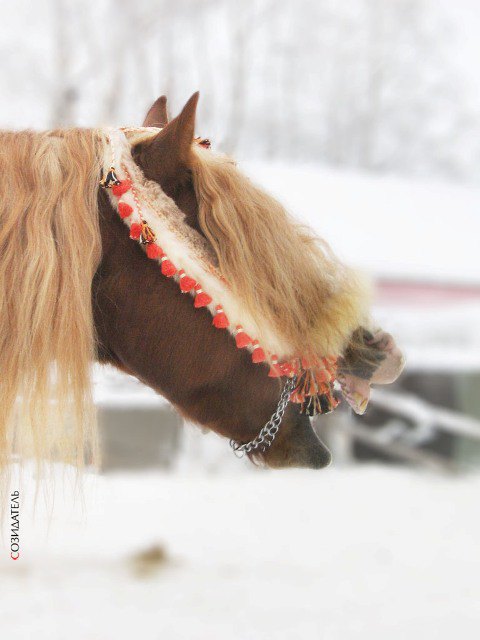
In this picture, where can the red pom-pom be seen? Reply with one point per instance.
(258, 354)
(202, 299)
(123, 187)
(153, 251)
(168, 268)
(220, 320)
(294, 367)
(124, 209)
(286, 368)
(135, 230)
(275, 371)
(241, 338)
(186, 283)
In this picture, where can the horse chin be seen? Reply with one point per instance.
(300, 447)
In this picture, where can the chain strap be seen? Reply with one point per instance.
(269, 431)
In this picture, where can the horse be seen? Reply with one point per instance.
(75, 289)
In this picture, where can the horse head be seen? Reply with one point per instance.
(147, 328)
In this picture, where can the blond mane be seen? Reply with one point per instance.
(279, 269)
(50, 247)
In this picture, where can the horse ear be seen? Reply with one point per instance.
(165, 156)
(179, 133)
(157, 115)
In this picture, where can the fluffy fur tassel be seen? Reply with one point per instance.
(275, 369)
(168, 268)
(186, 283)
(258, 354)
(242, 339)
(135, 230)
(124, 209)
(154, 251)
(220, 320)
(202, 299)
(124, 186)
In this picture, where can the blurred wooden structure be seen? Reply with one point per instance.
(138, 429)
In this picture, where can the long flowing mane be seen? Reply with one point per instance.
(280, 270)
(50, 247)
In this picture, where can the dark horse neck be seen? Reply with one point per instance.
(146, 327)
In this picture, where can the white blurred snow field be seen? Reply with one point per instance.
(357, 552)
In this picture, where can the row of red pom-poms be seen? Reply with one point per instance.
(142, 232)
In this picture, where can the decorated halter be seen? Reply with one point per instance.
(156, 223)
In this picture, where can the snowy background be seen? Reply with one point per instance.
(364, 118)
(343, 555)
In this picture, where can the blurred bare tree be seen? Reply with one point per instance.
(367, 83)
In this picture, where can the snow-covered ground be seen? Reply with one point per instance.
(357, 552)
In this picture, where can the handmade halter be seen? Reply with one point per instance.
(158, 225)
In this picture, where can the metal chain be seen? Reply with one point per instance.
(269, 431)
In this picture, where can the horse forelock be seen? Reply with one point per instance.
(282, 276)
(281, 271)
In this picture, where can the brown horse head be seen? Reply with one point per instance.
(148, 329)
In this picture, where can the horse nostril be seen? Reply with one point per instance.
(320, 457)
